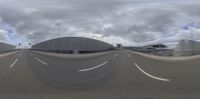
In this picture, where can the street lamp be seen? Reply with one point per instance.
(19, 45)
(58, 29)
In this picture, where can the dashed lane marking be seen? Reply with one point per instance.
(95, 67)
(13, 63)
(151, 76)
(41, 61)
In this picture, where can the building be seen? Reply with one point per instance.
(187, 47)
(155, 49)
(73, 45)
(147, 48)
(6, 47)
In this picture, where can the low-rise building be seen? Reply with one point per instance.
(155, 49)
(73, 45)
(187, 47)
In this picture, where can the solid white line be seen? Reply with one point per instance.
(13, 63)
(151, 76)
(102, 64)
(41, 61)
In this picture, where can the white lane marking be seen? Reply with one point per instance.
(41, 61)
(13, 63)
(151, 76)
(116, 55)
(95, 67)
(129, 55)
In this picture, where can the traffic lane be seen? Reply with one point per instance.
(183, 76)
(62, 71)
(128, 81)
(167, 69)
(22, 80)
(72, 65)
(81, 76)
(7, 63)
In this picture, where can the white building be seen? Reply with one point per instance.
(187, 47)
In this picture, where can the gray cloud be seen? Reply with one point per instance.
(135, 22)
(3, 36)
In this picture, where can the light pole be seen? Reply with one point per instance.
(19, 45)
(29, 45)
(192, 34)
(58, 25)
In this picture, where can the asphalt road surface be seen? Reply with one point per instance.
(115, 75)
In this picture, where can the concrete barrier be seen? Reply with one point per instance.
(169, 58)
(8, 54)
(74, 56)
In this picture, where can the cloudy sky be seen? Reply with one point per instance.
(130, 22)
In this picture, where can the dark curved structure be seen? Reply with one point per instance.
(73, 44)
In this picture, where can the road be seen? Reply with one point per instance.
(114, 75)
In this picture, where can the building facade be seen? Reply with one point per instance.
(73, 45)
(156, 49)
(187, 47)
